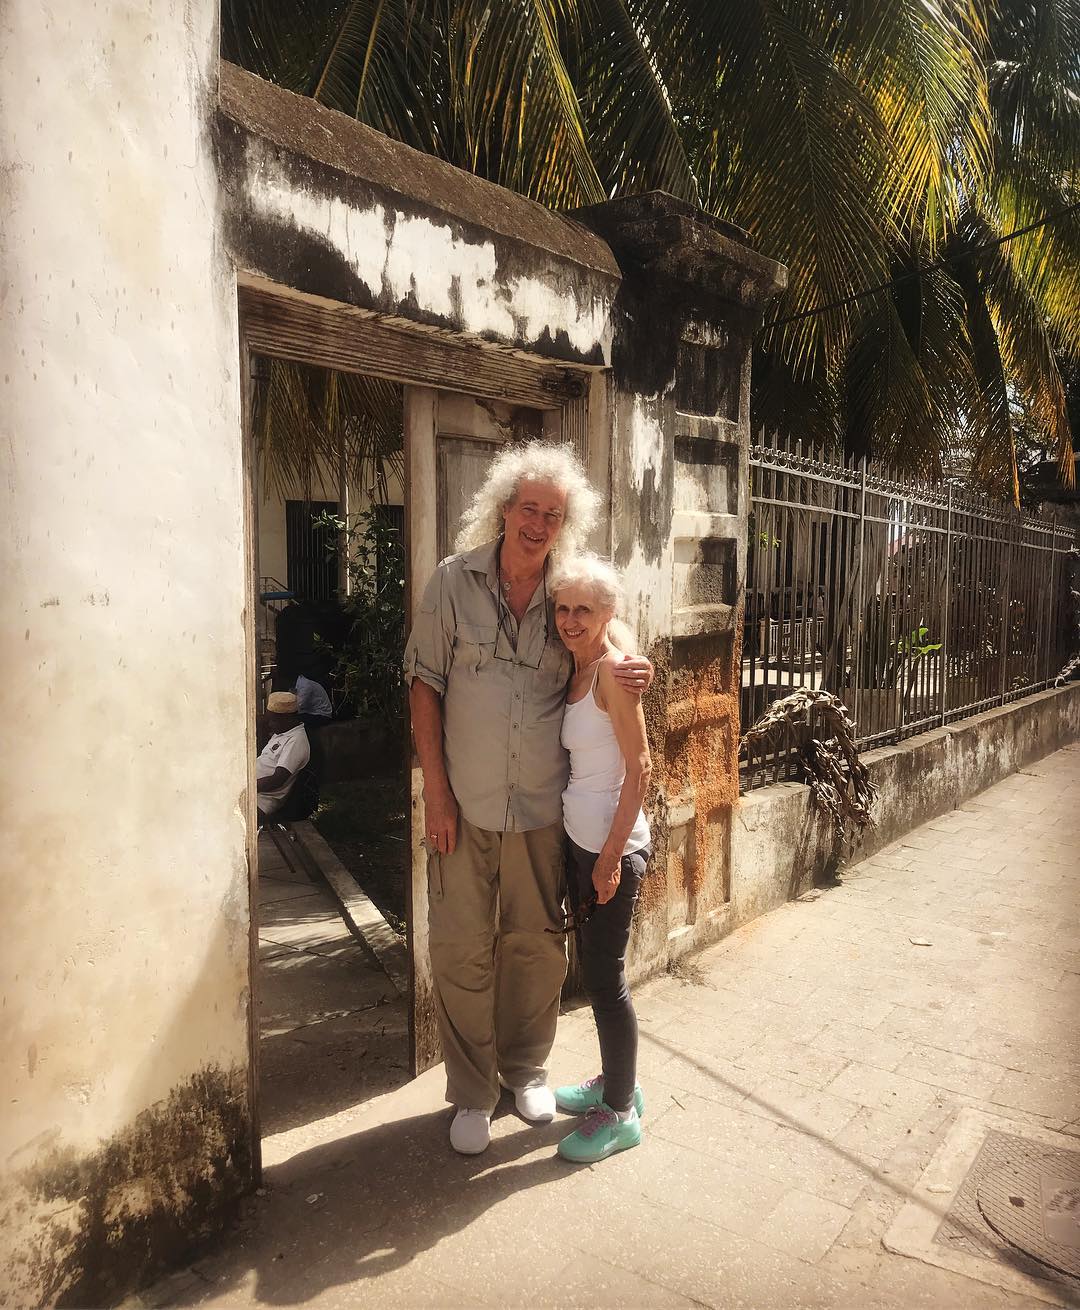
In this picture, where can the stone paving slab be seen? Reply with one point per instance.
(800, 1079)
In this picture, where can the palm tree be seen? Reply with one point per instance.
(882, 144)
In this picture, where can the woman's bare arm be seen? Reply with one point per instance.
(628, 722)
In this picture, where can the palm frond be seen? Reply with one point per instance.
(280, 40)
(890, 411)
(1046, 259)
(627, 106)
(1024, 344)
(308, 419)
(1034, 80)
(806, 142)
(923, 67)
(993, 452)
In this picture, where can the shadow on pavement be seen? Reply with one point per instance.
(365, 1205)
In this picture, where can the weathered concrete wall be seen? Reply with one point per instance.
(332, 208)
(125, 908)
(692, 294)
(780, 845)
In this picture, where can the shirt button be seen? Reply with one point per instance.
(517, 695)
(513, 755)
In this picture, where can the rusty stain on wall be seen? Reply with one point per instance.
(703, 746)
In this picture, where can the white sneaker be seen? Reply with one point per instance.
(535, 1101)
(470, 1133)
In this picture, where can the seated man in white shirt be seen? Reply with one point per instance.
(283, 756)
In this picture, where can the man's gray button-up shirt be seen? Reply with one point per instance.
(503, 688)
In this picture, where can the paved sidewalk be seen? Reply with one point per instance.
(333, 1029)
(800, 1078)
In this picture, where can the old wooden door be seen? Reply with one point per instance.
(450, 441)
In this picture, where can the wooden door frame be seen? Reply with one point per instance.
(279, 322)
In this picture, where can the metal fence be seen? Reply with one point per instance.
(916, 604)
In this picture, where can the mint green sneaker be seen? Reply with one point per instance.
(584, 1096)
(602, 1134)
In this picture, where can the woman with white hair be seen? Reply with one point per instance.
(607, 850)
(487, 680)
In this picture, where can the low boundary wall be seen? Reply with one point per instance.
(781, 846)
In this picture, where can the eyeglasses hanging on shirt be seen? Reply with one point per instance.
(504, 615)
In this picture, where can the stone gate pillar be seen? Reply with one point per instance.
(693, 294)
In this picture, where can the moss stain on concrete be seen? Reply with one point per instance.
(93, 1226)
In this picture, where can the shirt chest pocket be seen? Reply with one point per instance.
(554, 671)
(474, 645)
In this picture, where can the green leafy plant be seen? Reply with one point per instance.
(915, 645)
(369, 667)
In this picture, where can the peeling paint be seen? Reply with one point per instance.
(302, 224)
(123, 1011)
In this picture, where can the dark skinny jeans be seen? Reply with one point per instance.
(602, 945)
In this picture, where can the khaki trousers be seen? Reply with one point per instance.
(497, 972)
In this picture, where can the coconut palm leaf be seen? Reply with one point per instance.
(807, 146)
(482, 85)
(308, 420)
(993, 451)
(283, 42)
(1025, 346)
(888, 396)
(1034, 80)
(635, 138)
(912, 386)
(1035, 101)
(921, 64)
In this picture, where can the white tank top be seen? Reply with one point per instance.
(597, 770)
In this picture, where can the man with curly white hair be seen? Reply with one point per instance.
(487, 678)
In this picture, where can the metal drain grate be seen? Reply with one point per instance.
(1019, 1204)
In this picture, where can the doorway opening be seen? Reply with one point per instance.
(330, 567)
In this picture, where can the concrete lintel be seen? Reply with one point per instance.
(302, 126)
(706, 427)
(694, 620)
(669, 239)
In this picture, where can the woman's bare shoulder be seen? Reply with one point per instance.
(609, 662)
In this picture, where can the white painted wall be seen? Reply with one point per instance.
(428, 262)
(124, 901)
(639, 442)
